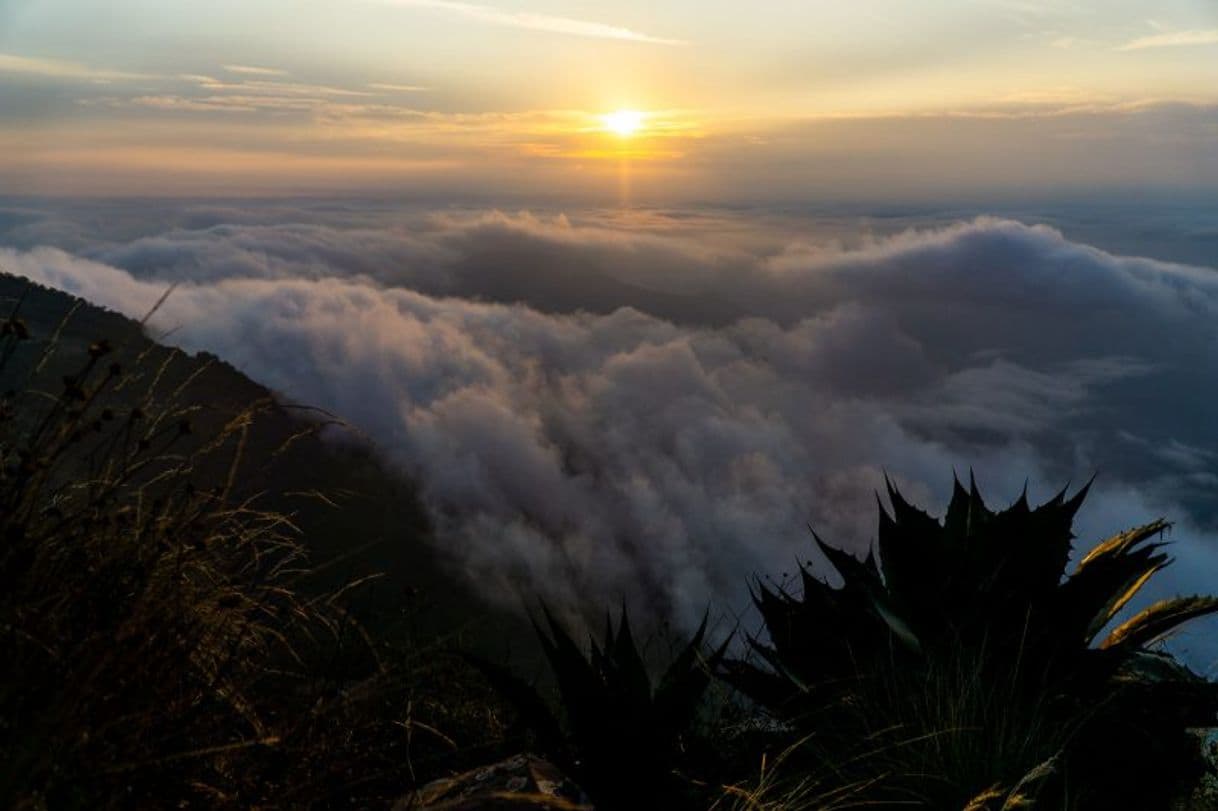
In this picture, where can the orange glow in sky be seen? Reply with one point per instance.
(865, 98)
(624, 123)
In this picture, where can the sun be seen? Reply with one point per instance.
(624, 123)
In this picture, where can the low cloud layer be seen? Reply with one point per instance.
(658, 412)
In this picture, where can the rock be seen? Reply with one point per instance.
(521, 782)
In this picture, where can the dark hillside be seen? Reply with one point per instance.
(357, 516)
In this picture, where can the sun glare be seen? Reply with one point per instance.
(624, 123)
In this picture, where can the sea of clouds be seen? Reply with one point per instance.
(656, 406)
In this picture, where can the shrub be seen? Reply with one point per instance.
(624, 738)
(966, 659)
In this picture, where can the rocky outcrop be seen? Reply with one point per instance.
(520, 782)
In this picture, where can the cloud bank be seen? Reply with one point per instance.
(658, 413)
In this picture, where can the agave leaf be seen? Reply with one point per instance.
(898, 625)
(956, 522)
(812, 627)
(600, 661)
(1012, 554)
(1159, 620)
(1033, 546)
(578, 682)
(905, 514)
(1107, 578)
(565, 657)
(977, 514)
(1150, 666)
(771, 600)
(628, 664)
(1021, 506)
(1072, 505)
(1058, 500)
(772, 657)
(911, 556)
(685, 681)
(1156, 685)
(815, 590)
(600, 654)
(1122, 541)
(781, 617)
(854, 572)
(1122, 598)
(792, 667)
(776, 692)
(862, 584)
(687, 659)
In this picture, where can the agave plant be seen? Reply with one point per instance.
(623, 736)
(968, 636)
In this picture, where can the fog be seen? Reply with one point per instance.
(657, 407)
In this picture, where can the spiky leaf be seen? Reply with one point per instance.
(1159, 620)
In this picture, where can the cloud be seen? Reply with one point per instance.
(1173, 39)
(251, 70)
(62, 69)
(657, 412)
(588, 456)
(272, 87)
(580, 428)
(536, 22)
(399, 88)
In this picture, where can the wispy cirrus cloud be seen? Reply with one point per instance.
(399, 88)
(1173, 39)
(536, 22)
(253, 70)
(270, 86)
(62, 69)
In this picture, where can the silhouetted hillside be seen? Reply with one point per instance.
(358, 516)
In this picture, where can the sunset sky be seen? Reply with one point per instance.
(875, 98)
(637, 291)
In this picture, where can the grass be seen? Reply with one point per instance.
(165, 640)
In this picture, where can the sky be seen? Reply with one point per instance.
(637, 292)
(739, 100)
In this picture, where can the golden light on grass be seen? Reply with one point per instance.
(624, 123)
